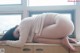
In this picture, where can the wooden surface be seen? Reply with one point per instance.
(35, 48)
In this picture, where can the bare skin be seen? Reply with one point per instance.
(47, 37)
(50, 36)
(64, 41)
(68, 45)
(72, 40)
(55, 33)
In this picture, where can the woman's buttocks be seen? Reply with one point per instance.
(64, 23)
(56, 25)
(58, 19)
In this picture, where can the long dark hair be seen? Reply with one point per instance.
(9, 34)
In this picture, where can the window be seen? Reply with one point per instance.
(11, 13)
(48, 2)
(9, 21)
(3, 2)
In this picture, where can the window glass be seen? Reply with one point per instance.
(48, 2)
(8, 21)
(3, 2)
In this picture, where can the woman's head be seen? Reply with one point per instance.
(9, 34)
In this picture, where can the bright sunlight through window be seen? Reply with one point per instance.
(9, 21)
(48, 2)
(3, 2)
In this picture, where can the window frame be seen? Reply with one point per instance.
(14, 9)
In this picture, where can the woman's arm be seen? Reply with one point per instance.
(16, 32)
(24, 29)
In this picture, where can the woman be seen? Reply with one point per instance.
(49, 28)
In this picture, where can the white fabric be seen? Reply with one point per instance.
(28, 28)
(37, 27)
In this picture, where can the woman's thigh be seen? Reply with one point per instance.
(52, 31)
(56, 28)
